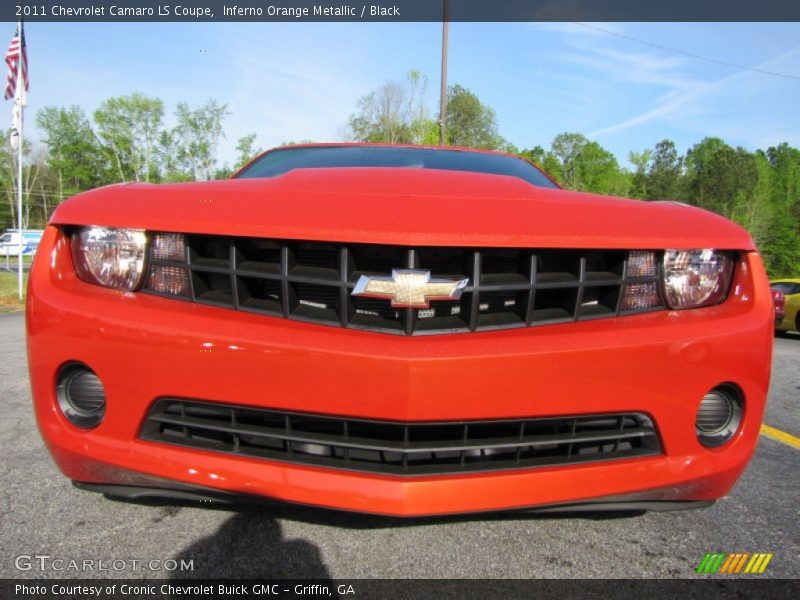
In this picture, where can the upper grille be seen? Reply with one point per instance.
(400, 448)
(313, 281)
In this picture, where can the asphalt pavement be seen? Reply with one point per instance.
(42, 514)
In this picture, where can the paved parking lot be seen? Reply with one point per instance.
(42, 514)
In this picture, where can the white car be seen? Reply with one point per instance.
(10, 242)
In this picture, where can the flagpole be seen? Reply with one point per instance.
(18, 100)
(443, 90)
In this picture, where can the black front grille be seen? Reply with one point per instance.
(400, 448)
(314, 281)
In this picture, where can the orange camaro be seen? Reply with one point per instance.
(398, 330)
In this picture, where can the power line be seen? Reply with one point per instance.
(32, 193)
(689, 54)
(551, 15)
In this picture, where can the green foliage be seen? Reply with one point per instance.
(699, 155)
(728, 178)
(74, 151)
(126, 141)
(758, 190)
(470, 123)
(197, 136)
(395, 113)
(640, 160)
(782, 249)
(167, 153)
(536, 155)
(580, 164)
(664, 176)
(246, 149)
(129, 127)
(566, 150)
(43, 187)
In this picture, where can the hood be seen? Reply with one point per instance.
(406, 207)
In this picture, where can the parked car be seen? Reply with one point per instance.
(398, 330)
(791, 291)
(10, 242)
(779, 300)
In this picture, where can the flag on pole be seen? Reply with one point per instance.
(17, 61)
(16, 49)
(17, 85)
(16, 125)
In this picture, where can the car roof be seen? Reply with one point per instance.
(386, 145)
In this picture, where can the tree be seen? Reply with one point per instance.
(246, 149)
(74, 152)
(640, 160)
(394, 113)
(35, 198)
(754, 212)
(536, 155)
(782, 247)
(663, 179)
(470, 123)
(129, 127)
(167, 156)
(196, 137)
(566, 149)
(598, 170)
(580, 164)
(727, 179)
(545, 160)
(698, 159)
(700, 154)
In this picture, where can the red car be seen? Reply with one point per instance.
(779, 300)
(398, 330)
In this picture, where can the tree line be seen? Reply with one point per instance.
(127, 139)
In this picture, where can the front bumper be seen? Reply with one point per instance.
(144, 347)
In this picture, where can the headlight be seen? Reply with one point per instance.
(110, 257)
(695, 278)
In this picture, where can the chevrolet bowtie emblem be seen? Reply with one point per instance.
(408, 288)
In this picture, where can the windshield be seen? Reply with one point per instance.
(278, 162)
(786, 288)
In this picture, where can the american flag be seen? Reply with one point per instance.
(12, 59)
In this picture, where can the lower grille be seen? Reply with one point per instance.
(400, 448)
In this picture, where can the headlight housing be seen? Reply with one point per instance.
(696, 278)
(110, 257)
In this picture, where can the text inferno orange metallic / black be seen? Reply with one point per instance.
(397, 330)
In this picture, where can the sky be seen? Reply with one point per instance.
(625, 85)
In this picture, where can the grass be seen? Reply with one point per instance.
(9, 293)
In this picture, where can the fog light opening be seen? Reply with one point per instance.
(719, 415)
(81, 395)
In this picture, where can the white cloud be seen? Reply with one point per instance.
(687, 102)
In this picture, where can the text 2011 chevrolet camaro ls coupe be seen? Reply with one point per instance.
(397, 330)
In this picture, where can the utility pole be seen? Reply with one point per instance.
(443, 91)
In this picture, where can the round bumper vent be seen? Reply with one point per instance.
(81, 396)
(719, 415)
